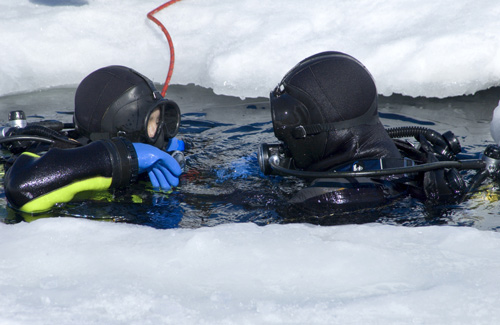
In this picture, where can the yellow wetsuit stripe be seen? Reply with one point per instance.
(27, 153)
(66, 193)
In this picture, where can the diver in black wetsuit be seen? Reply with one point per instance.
(324, 112)
(123, 128)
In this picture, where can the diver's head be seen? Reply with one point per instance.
(320, 104)
(119, 101)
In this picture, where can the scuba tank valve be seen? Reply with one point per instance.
(17, 120)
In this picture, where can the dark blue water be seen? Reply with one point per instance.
(222, 182)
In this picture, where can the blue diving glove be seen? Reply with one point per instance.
(175, 144)
(162, 168)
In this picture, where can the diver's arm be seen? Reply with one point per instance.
(36, 183)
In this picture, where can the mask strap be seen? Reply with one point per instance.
(301, 131)
(156, 94)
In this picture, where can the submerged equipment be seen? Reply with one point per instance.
(119, 101)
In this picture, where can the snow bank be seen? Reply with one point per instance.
(412, 47)
(71, 271)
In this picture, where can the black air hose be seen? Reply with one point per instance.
(36, 129)
(51, 124)
(458, 164)
(13, 138)
(412, 131)
(42, 131)
(447, 141)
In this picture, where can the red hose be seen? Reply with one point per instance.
(169, 39)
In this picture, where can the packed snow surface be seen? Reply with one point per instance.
(70, 271)
(243, 48)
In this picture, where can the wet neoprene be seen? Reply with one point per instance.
(325, 110)
(36, 183)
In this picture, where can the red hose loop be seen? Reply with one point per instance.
(151, 17)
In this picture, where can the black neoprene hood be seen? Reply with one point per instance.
(117, 101)
(319, 102)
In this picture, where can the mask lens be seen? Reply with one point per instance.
(286, 112)
(154, 123)
(171, 119)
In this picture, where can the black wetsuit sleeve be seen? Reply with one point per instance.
(36, 183)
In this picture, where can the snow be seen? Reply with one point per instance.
(74, 271)
(69, 271)
(412, 47)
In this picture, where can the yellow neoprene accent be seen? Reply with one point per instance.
(66, 193)
(27, 153)
(136, 199)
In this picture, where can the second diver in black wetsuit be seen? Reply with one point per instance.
(324, 112)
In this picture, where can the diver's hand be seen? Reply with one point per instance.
(163, 169)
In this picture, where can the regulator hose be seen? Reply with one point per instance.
(410, 131)
(26, 138)
(458, 164)
(433, 136)
(42, 131)
(447, 143)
